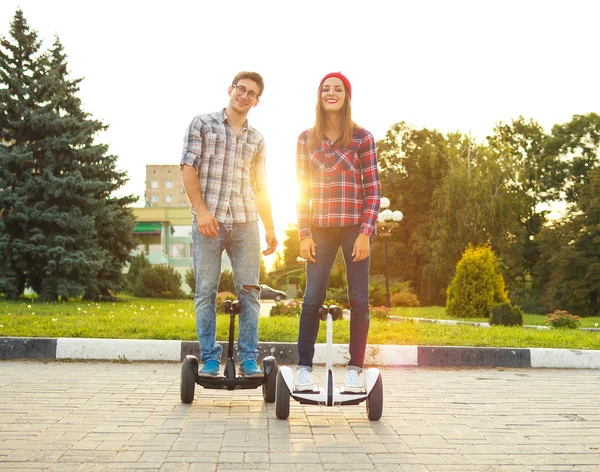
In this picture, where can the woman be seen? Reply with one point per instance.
(338, 205)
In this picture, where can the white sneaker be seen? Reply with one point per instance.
(352, 383)
(303, 382)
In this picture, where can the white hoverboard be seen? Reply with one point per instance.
(329, 394)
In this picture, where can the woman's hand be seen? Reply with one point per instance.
(308, 249)
(362, 248)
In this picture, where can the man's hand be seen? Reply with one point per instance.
(308, 249)
(271, 242)
(362, 247)
(207, 224)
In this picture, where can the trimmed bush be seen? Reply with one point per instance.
(404, 299)
(221, 297)
(293, 308)
(477, 285)
(380, 312)
(563, 319)
(190, 279)
(505, 314)
(159, 281)
(226, 283)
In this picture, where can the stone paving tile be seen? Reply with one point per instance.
(109, 416)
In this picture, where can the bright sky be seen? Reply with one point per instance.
(449, 65)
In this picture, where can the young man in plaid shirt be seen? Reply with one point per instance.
(224, 176)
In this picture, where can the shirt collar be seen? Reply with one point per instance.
(223, 118)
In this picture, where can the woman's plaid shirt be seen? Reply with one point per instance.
(338, 186)
(231, 169)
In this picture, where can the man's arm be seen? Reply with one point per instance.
(261, 195)
(207, 224)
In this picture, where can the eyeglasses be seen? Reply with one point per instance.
(241, 90)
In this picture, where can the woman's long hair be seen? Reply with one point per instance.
(318, 131)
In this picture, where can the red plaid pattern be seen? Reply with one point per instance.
(338, 186)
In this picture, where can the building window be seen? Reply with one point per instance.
(154, 184)
(168, 199)
(192, 250)
(181, 189)
(178, 251)
(154, 198)
(181, 231)
(168, 184)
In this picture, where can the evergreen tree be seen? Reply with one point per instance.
(20, 75)
(67, 230)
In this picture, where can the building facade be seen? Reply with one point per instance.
(164, 187)
(164, 226)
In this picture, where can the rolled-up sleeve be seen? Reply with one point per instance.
(192, 144)
(259, 170)
(303, 180)
(370, 184)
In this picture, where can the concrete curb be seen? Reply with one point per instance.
(285, 353)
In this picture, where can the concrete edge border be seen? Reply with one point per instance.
(285, 353)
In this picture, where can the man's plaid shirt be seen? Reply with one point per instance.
(231, 169)
(338, 186)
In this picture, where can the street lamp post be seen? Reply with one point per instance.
(386, 222)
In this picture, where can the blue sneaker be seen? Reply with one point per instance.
(209, 369)
(250, 369)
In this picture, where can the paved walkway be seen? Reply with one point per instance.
(110, 416)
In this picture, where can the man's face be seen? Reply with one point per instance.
(241, 102)
(333, 94)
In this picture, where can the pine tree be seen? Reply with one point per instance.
(20, 76)
(74, 235)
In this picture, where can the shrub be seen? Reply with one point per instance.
(138, 263)
(190, 279)
(226, 283)
(563, 319)
(379, 312)
(505, 314)
(477, 285)
(404, 299)
(293, 308)
(158, 281)
(337, 296)
(221, 297)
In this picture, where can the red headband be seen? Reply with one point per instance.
(342, 78)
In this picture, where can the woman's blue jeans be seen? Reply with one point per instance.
(328, 242)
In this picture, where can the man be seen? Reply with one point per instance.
(223, 173)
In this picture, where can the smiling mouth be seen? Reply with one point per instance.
(331, 101)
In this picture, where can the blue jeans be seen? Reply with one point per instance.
(242, 243)
(328, 241)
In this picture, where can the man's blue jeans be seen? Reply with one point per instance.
(242, 243)
(328, 241)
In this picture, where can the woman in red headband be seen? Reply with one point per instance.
(338, 205)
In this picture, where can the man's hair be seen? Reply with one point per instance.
(254, 76)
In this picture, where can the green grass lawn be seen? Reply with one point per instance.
(439, 313)
(135, 318)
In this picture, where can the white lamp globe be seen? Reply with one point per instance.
(384, 203)
(397, 216)
(380, 218)
(387, 215)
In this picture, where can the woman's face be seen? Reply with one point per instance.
(333, 94)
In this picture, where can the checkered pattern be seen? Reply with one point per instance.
(338, 186)
(231, 169)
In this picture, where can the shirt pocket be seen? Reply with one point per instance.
(346, 160)
(212, 146)
(248, 152)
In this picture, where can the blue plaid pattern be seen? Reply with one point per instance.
(231, 170)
